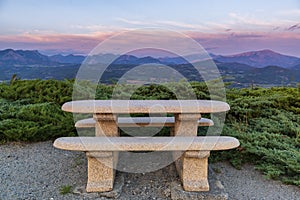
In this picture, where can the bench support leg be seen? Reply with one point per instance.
(100, 171)
(101, 165)
(194, 174)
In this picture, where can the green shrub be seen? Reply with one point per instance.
(38, 91)
(33, 122)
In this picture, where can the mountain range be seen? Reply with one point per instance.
(257, 59)
(263, 67)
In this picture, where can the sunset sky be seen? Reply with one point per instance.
(221, 27)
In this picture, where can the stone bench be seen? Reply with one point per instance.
(192, 165)
(141, 121)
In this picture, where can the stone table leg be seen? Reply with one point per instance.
(101, 165)
(192, 166)
(106, 125)
(186, 124)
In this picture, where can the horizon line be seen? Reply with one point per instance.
(146, 55)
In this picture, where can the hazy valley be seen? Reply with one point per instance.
(264, 68)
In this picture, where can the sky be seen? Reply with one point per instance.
(220, 26)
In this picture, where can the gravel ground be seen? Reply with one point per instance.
(38, 171)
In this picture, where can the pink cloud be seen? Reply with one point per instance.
(75, 43)
(227, 42)
(234, 42)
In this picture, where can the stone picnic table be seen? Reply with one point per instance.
(102, 153)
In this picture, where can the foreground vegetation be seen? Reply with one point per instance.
(266, 121)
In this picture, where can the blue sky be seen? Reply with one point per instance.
(222, 27)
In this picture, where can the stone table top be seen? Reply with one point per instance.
(145, 106)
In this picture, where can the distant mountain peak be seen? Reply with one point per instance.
(263, 52)
(8, 50)
(12, 57)
(261, 58)
(71, 59)
(266, 51)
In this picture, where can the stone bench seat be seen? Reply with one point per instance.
(141, 121)
(192, 165)
(207, 143)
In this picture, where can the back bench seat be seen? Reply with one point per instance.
(141, 121)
